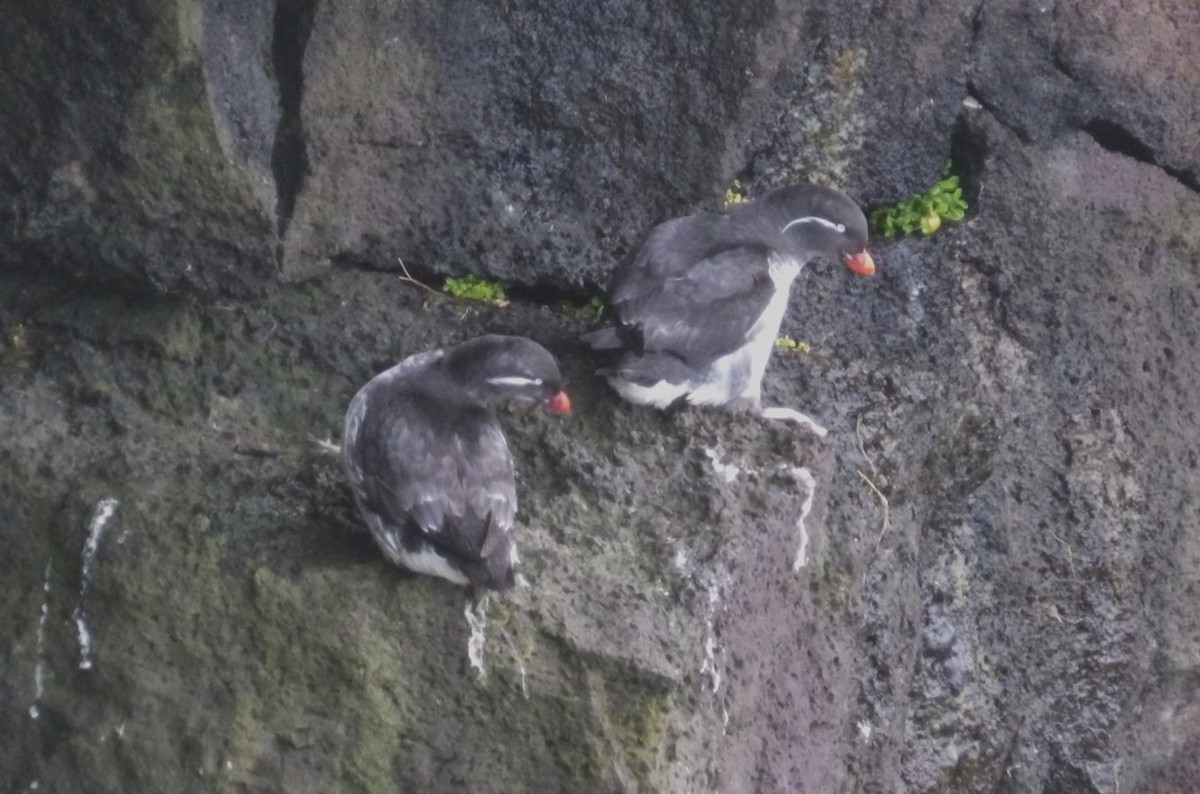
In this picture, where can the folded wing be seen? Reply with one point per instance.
(452, 480)
(701, 313)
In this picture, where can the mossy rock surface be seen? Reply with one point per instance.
(993, 590)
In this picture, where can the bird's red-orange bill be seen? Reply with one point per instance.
(861, 263)
(559, 403)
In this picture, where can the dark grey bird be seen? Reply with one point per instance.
(699, 305)
(429, 465)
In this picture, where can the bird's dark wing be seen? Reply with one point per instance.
(702, 313)
(451, 477)
(672, 249)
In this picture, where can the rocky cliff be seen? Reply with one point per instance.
(984, 580)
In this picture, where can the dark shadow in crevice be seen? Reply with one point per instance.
(289, 157)
(1119, 140)
(540, 292)
(968, 154)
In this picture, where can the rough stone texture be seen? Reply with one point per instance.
(1128, 75)
(522, 141)
(1020, 387)
(136, 144)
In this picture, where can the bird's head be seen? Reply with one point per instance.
(820, 220)
(508, 368)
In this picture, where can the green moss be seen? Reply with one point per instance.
(787, 343)
(476, 289)
(640, 719)
(248, 734)
(632, 712)
(307, 654)
(831, 589)
(832, 124)
(924, 212)
(257, 636)
(735, 194)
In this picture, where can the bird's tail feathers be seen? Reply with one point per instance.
(603, 339)
(651, 368)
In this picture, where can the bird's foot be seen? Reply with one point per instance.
(792, 415)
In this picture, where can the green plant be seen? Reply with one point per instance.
(476, 289)
(925, 212)
(787, 343)
(584, 312)
(735, 194)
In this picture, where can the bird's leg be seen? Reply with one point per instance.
(792, 415)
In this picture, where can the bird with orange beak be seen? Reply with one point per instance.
(429, 465)
(698, 306)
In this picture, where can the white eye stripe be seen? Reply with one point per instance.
(515, 381)
(837, 227)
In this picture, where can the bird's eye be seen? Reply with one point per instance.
(841, 227)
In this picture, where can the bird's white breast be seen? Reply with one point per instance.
(737, 375)
(740, 374)
(764, 333)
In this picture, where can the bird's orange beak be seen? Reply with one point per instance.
(861, 263)
(559, 403)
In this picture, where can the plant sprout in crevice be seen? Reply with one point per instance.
(735, 194)
(476, 289)
(924, 212)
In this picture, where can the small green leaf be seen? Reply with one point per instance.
(924, 212)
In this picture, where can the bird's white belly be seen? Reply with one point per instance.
(727, 378)
(660, 395)
(738, 376)
(735, 376)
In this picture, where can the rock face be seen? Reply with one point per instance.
(984, 580)
(137, 145)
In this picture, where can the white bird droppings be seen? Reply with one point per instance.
(103, 513)
(805, 478)
(728, 472)
(39, 672)
(476, 614)
(711, 666)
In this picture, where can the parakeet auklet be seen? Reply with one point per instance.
(698, 306)
(429, 465)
